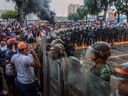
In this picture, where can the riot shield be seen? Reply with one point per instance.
(79, 81)
(52, 73)
(113, 83)
(74, 81)
(97, 86)
(56, 77)
(44, 68)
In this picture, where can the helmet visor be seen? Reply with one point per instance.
(89, 54)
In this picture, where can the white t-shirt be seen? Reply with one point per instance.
(25, 71)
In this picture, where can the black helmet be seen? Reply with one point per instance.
(101, 50)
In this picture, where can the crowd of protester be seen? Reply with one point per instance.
(21, 56)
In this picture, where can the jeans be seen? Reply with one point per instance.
(27, 89)
(10, 80)
(1, 84)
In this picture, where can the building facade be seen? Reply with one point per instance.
(72, 8)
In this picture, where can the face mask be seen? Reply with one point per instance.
(4, 48)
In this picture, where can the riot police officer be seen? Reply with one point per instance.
(56, 62)
(100, 71)
(121, 75)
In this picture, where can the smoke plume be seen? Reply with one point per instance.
(41, 8)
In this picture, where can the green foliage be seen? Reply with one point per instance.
(93, 6)
(121, 6)
(82, 11)
(21, 8)
(74, 17)
(9, 15)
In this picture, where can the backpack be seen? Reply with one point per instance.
(9, 70)
(9, 67)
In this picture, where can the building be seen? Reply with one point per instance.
(72, 8)
(111, 14)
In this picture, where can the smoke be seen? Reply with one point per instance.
(41, 8)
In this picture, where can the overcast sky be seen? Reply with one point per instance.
(6, 5)
(61, 6)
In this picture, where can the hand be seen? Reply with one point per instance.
(13, 48)
(29, 46)
(32, 51)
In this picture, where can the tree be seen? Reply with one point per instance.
(20, 7)
(10, 15)
(74, 17)
(39, 7)
(118, 5)
(122, 7)
(94, 7)
(82, 12)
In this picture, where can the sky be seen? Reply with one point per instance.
(61, 6)
(7, 5)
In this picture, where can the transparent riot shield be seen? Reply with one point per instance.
(79, 81)
(44, 68)
(97, 86)
(56, 77)
(74, 82)
(113, 84)
(52, 73)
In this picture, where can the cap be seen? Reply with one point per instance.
(12, 41)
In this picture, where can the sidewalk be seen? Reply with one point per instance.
(116, 43)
